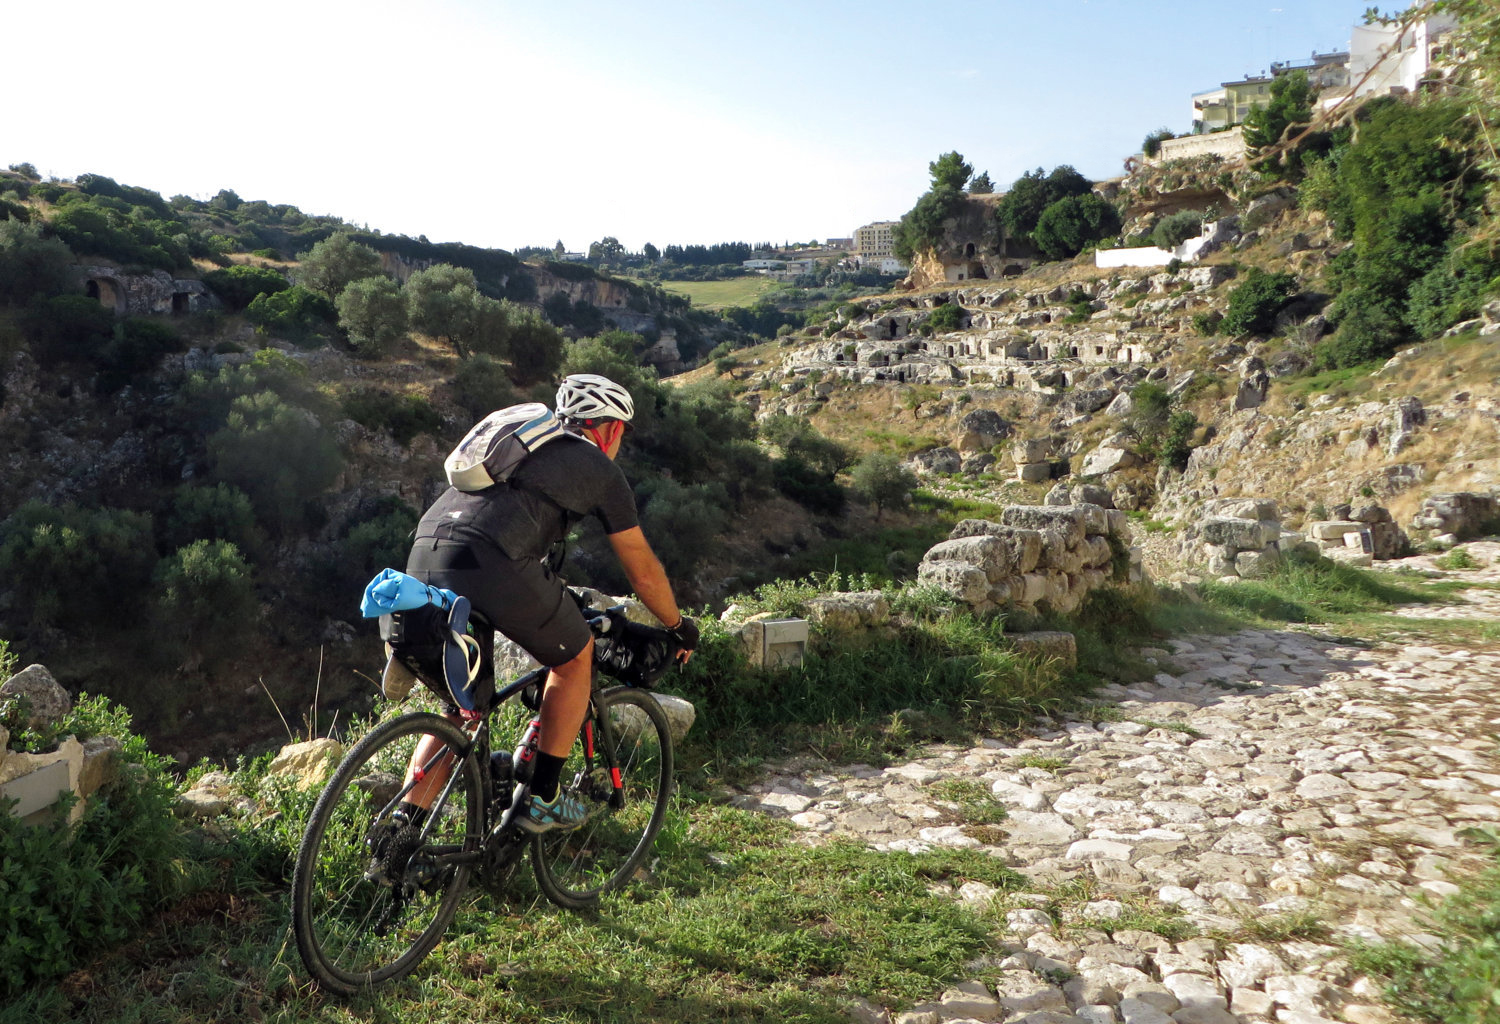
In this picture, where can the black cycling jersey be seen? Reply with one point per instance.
(556, 486)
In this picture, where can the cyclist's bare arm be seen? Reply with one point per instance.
(647, 577)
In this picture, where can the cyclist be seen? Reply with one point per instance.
(491, 546)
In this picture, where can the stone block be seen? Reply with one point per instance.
(1119, 524)
(1237, 534)
(1095, 519)
(101, 762)
(992, 554)
(1030, 450)
(1070, 520)
(1242, 508)
(1349, 556)
(1096, 552)
(1109, 460)
(1025, 546)
(36, 781)
(843, 612)
(1034, 472)
(964, 582)
(1253, 565)
(775, 643)
(1332, 530)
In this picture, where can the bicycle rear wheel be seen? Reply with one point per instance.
(370, 896)
(575, 868)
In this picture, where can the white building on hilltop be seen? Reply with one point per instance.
(1393, 58)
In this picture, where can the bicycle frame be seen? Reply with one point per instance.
(476, 724)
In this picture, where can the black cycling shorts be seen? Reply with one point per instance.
(522, 599)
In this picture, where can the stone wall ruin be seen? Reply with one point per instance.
(1036, 556)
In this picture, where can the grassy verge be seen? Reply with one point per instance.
(735, 924)
(1314, 592)
(1461, 983)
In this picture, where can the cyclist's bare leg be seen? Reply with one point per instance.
(565, 702)
(424, 792)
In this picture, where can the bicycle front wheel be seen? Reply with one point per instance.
(371, 895)
(575, 868)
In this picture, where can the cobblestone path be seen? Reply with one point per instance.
(1258, 777)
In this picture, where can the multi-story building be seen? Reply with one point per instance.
(874, 242)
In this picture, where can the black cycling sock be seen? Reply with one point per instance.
(544, 776)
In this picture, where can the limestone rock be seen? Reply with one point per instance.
(843, 612)
(48, 701)
(1108, 460)
(310, 762)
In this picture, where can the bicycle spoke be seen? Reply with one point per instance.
(575, 867)
(371, 895)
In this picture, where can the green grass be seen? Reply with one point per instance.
(736, 924)
(1046, 764)
(737, 291)
(1460, 984)
(1313, 592)
(976, 805)
(1458, 558)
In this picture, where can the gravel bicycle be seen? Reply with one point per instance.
(372, 893)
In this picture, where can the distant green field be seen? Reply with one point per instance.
(737, 291)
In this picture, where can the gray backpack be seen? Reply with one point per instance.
(497, 444)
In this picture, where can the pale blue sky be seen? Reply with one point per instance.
(504, 124)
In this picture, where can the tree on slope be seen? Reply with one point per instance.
(333, 263)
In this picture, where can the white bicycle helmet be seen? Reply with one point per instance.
(588, 396)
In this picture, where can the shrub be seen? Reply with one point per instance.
(297, 314)
(1207, 323)
(1369, 329)
(401, 416)
(136, 348)
(211, 512)
(276, 453)
(685, 523)
(1255, 302)
(1151, 145)
(1454, 289)
(482, 385)
(66, 328)
(1174, 229)
(31, 266)
(72, 564)
(1068, 225)
(206, 601)
(238, 286)
(947, 317)
(72, 890)
(381, 540)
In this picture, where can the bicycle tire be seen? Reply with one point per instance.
(368, 900)
(575, 868)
